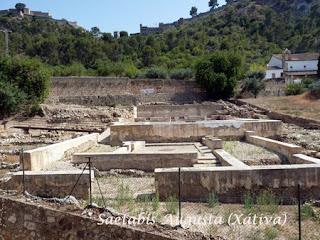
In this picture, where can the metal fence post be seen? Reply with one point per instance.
(90, 186)
(23, 172)
(179, 196)
(299, 211)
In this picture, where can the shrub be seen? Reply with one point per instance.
(155, 73)
(307, 211)
(182, 74)
(24, 81)
(254, 83)
(294, 89)
(75, 69)
(315, 88)
(218, 74)
(11, 99)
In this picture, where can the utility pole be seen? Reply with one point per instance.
(6, 35)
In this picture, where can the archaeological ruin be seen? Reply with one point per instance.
(179, 145)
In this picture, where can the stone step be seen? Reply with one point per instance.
(204, 165)
(207, 162)
(206, 151)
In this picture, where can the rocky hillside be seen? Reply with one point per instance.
(254, 29)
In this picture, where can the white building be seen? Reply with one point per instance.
(292, 67)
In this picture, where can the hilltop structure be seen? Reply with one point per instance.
(28, 13)
(292, 67)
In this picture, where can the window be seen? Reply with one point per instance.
(273, 75)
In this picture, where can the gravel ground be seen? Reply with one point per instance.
(251, 154)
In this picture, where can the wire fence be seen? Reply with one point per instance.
(133, 193)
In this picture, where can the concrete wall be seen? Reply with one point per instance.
(106, 90)
(50, 184)
(231, 184)
(21, 221)
(41, 158)
(141, 161)
(191, 132)
(203, 110)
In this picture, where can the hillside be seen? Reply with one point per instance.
(254, 29)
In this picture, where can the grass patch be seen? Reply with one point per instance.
(172, 205)
(124, 197)
(213, 200)
(248, 201)
(270, 233)
(307, 212)
(155, 203)
(267, 202)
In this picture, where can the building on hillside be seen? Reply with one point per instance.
(292, 67)
(28, 13)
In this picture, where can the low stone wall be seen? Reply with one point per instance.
(173, 111)
(41, 158)
(109, 100)
(142, 161)
(21, 220)
(50, 184)
(285, 149)
(230, 184)
(110, 90)
(191, 132)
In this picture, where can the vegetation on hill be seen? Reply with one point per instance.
(253, 29)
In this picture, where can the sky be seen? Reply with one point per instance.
(114, 15)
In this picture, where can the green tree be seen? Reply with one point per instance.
(193, 12)
(254, 83)
(213, 4)
(148, 56)
(219, 73)
(20, 6)
(95, 31)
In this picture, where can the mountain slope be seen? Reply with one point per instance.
(255, 29)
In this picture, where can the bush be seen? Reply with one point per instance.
(218, 74)
(75, 69)
(294, 89)
(254, 83)
(155, 73)
(315, 88)
(182, 74)
(11, 99)
(24, 81)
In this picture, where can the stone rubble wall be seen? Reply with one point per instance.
(21, 220)
(108, 91)
(50, 184)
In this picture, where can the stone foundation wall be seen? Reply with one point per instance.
(106, 90)
(191, 132)
(21, 220)
(41, 158)
(231, 184)
(50, 184)
(141, 161)
(202, 110)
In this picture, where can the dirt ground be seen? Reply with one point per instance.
(300, 105)
(135, 195)
(251, 154)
